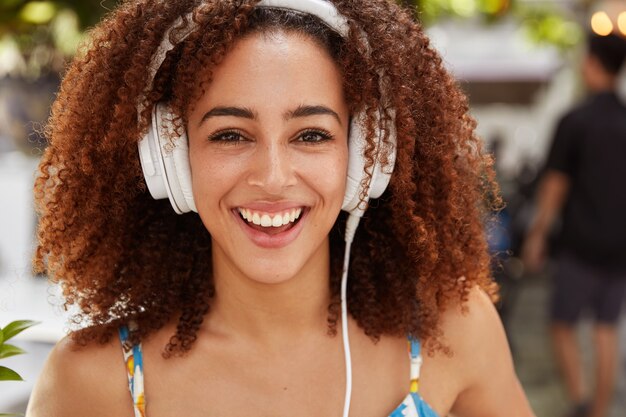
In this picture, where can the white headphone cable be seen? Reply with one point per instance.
(351, 225)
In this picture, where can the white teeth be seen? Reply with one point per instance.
(267, 220)
(277, 221)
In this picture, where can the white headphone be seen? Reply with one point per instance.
(165, 163)
(167, 172)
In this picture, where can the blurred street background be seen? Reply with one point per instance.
(517, 60)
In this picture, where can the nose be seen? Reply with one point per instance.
(272, 168)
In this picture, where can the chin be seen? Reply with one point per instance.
(272, 271)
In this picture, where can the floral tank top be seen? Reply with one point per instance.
(412, 406)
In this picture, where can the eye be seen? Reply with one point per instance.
(314, 136)
(231, 136)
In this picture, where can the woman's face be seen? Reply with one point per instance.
(268, 153)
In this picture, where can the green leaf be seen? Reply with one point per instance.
(1, 336)
(7, 374)
(10, 350)
(10, 415)
(14, 328)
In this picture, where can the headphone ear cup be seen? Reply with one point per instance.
(380, 176)
(152, 162)
(180, 158)
(165, 164)
(356, 165)
(175, 156)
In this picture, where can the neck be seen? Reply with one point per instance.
(600, 80)
(271, 312)
(603, 87)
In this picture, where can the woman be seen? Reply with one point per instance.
(292, 111)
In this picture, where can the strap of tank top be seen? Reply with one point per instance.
(416, 363)
(134, 369)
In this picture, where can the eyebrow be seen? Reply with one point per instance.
(229, 111)
(304, 111)
(246, 113)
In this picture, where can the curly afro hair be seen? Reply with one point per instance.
(120, 255)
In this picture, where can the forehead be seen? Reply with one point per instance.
(269, 67)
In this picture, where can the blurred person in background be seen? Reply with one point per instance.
(583, 183)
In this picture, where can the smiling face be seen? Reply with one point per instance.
(268, 154)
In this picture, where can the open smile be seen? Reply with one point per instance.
(272, 229)
(266, 220)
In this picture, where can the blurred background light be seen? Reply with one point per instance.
(463, 8)
(38, 12)
(601, 23)
(621, 22)
(66, 31)
(493, 7)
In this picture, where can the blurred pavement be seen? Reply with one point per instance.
(532, 352)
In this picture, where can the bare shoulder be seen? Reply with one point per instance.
(481, 365)
(473, 326)
(80, 381)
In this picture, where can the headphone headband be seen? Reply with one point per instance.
(166, 168)
(324, 10)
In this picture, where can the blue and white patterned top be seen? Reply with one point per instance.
(412, 406)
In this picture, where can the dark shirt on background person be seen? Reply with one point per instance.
(590, 148)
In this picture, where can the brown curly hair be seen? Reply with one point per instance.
(121, 255)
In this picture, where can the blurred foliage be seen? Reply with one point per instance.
(36, 37)
(544, 22)
(20, 15)
(7, 350)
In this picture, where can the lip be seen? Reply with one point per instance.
(278, 240)
(271, 207)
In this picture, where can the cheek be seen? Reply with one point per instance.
(338, 176)
(209, 178)
(339, 171)
(328, 176)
